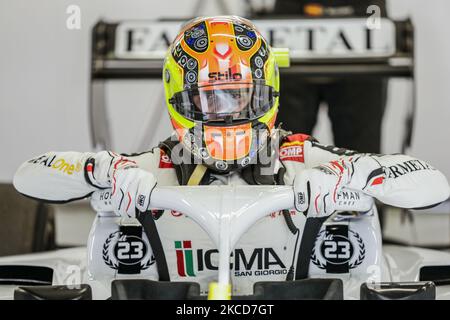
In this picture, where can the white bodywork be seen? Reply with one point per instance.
(225, 214)
(398, 264)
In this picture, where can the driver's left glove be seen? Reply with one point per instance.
(132, 188)
(131, 185)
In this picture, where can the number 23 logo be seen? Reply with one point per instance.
(130, 250)
(337, 249)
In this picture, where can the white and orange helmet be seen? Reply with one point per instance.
(221, 83)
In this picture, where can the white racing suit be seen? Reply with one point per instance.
(268, 249)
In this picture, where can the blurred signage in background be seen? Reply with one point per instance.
(321, 48)
(306, 38)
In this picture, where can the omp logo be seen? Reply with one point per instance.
(292, 151)
(164, 160)
(66, 167)
(185, 261)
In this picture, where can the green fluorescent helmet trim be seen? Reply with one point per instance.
(185, 123)
(265, 118)
(272, 76)
(174, 85)
(282, 57)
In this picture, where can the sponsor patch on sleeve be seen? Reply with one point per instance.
(164, 160)
(292, 151)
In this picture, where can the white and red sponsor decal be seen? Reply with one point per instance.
(377, 180)
(164, 160)
(276, 214)
(176, 214)
(292, 151)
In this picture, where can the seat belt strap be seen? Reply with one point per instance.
(310, 232)
(149, 226)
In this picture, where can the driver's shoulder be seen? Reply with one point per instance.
(293, 153)
(290, 137)
(293, 146)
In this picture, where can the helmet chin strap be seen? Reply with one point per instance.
(197, 175)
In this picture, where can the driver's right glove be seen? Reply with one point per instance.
(316, 190)
(131, 185)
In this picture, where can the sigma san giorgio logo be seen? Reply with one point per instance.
(338, 250)
(251, 262)
(127, 253)
(185, 260)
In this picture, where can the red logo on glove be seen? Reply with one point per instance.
(164, 160)
(376, 181)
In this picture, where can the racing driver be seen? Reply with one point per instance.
(221, 83)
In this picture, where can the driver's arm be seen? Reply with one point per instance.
(397, 179)
(55, 177)
(68, 176)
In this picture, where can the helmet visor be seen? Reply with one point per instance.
(224, 102)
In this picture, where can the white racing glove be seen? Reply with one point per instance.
(316, 189)
(131, 186)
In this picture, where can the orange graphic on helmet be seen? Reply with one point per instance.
(221, 83)
(219, 50)
(228, 143)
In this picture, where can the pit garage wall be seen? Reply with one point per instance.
(44, 72)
